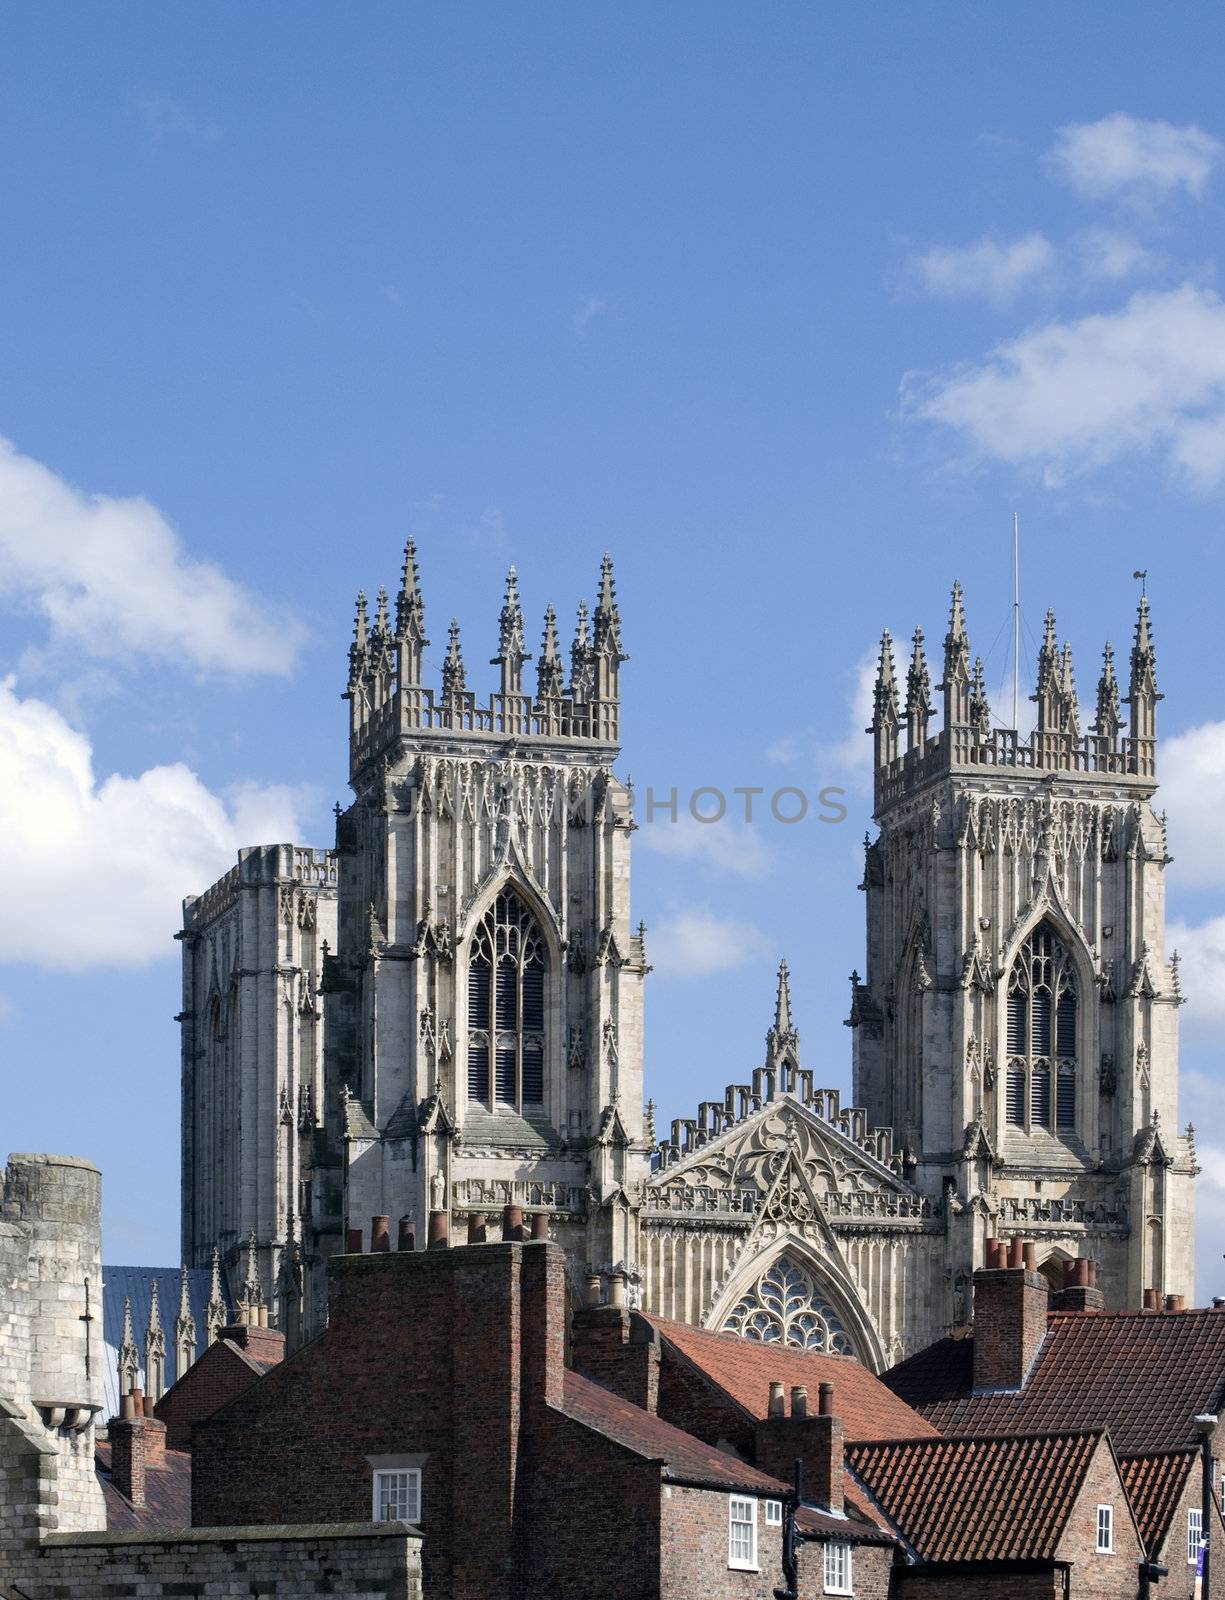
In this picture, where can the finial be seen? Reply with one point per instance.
(980, 711)
(511, 654)
(782, 1041)
(549, 673)
(884, 698)
(1109, 711)
(361, 630)
(955, 684)
(581, 674)
(410, 607)
(454, 683)
(607, 617)
(1071, 705)
(184, 1294)
(155, 1311)
(382, 618)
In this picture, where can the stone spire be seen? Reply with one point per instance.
(918, 695)
(1049, 691)
(884, 724)
(549, 670)
(216, 1313)
(1142, 696)
(980, 710)
(359, 650)
(155, 1351)
(606, 649)
(454, 681)
(581, 666)
(1109, 717)
(252, 1288)
(184, 1330)
(1070, 709)
(410, 618)
(129, 1355)
(511, 653)
(381, 639)
(956, 683)
(782, 1041)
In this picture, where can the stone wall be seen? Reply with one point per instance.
(360, 1561)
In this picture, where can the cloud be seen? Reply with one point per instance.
(587, 310)
(1192, 774)
(697, 943)
(1201, 948)
(111, 577)
(1110, 256)
(165, 118)
(987, 268)
(1121, 153)
(1074, 395)
(853, 753)
(725, 846)
(98, 869)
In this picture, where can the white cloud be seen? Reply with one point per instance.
(112, 577)
(1121, 153)
(166, 118)
(94, 872)
(1075, 395)
(726, 846)
(1111, 256)
(587, 310)
(987, 268)
(1192, 773)
(853, 753)
(697, 943)
(1201, 948)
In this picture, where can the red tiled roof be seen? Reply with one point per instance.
(1142, 1374)
(167, 1494)
(745, 1368)
(1154, 1485)
(992, 1499)
(650, 1436)
(856, 1527)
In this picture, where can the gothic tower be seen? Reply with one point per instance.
(1018, 1025)
(483, 1007)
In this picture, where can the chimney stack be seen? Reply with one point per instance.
(818, 1441)
(1080, 1291)
(1010, 1309)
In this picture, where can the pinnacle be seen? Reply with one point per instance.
(884, 700)
(360, 626)
(957, 612)
(782, 1004)
(155, 1313)
(410, 607)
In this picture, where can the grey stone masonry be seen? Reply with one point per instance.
(346, 1561)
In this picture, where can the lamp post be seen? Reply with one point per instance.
(1205, 1426)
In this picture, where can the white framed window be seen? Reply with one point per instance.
(1195, 1533)
(397, 1494)
(774, 1513)
(837, 1567)
(742, 1533)
(1105, 1530)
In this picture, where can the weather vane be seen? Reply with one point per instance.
(1143, 577)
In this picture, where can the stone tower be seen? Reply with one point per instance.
(483, 1003)
(1018, 1024)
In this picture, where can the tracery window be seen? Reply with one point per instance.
(785, 1306)
(506, 972)
(1041, 1075)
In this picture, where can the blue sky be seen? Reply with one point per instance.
(789, 307)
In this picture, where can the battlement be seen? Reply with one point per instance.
(257, 865)
(972, 741)
(388, 699)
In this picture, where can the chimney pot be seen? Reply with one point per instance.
(1152, 1300)
(799, 1400)
(1174, 1302)
(778, 1403)
(476, 1227)
(1016, 1253)
(1091, 1272)
(540, 1224)
(825, 1400)
(1218, 1302)
(593, 1288)
(380, 1233)
(616, 1288)
(408, 1234)
(438, 1239)
(262, 1320)
(353, 1241)
(138, 1402)
(127, 1407)
(512, 1223)
(1030, 1256)
(989, 1249)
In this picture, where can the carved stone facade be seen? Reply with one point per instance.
(443, 1014)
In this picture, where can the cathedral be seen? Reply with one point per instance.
(441, 1015)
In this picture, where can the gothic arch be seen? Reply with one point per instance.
(829, 1279)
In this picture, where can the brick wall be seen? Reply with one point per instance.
(694, 1546)
(1040, 1582)
(210, 1383)
(344, 1563)
(620, 1350)
(1180, 1585)
(871, 1570)
(688, 1400)
(1102, 1577)
(1010, 1317)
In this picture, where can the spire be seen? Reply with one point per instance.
(359, 650)
(884, 705)
(607, 646)
(454, 683)
(1049, 692)
(549, 672)
(956, 684)
(1070, 719)
(184, 1329)
(1142, 696)
(980, 711)
(1109, 717)
(918, 695)
(511, 654)
(216, 1313)
(155, 1351)
(581, 673)
(410, 618)
(782, 1041)
(129, 1355)
(252, 1288)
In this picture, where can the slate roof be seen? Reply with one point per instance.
(1142, 1374)
(682, 1456)
(137, 1284)
(167, 1494)
(1154, 1485)
(987, 1499)
(745, 1368)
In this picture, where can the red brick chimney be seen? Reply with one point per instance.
(618, 1349)
(266, 1345)
(1080, 1291)
(817, 1440)
(138, 1444)
(1010, 1310)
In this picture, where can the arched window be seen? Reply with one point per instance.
(1040, 1088)
(506, 967)
(785, 1306)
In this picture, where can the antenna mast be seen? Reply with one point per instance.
(1016, 618)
